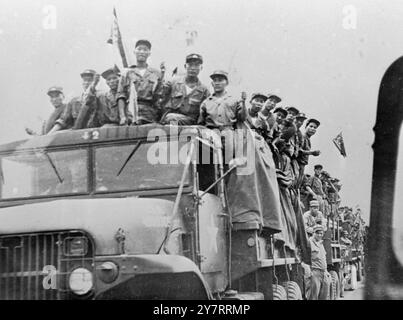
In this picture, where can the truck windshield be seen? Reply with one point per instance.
(138, 166)
(43, 173)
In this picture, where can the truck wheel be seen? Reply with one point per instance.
(359, 273)
(279, 292)
(353, 280)
(293, 290)
(334, 286)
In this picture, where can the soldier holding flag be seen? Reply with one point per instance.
(140, 84)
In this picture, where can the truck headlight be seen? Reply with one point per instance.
(80, 281)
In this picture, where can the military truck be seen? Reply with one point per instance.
(102, 214)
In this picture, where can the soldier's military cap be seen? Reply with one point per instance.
(314, 121)
(55, 89)
(143, 42)
(110, 71)
(301, 115)
(282, 110)
(273, 96)
(318, 166)
(259, 95)
(314, 203)
(219, 73)
(292, 109)
(318, 227)
(88, 72)
(194, 56)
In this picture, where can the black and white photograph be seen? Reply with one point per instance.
(193, 150)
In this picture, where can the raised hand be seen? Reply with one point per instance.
(243, 96)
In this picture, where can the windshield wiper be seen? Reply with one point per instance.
(129, 157)
(53, 166)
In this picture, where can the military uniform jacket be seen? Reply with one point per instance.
(316, 185)
(69, 116)
(259, 124)
(318, 255)
(54, 116)
(217, 112)
(147, 88)
(106, 109)
(306, 146)
(176, 99)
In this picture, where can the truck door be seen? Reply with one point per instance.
(212, 229)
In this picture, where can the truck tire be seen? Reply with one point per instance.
(279, 292)
(359, 272)
(334, 286)
(353, 279)
(293, 290)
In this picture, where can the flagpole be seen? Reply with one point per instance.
(116, 38)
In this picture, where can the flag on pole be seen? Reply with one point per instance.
(115, 39)
(339, 143)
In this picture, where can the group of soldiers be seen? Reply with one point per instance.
(140, 95)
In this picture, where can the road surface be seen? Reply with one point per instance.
(357, 294)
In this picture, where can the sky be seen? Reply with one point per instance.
(326, 58)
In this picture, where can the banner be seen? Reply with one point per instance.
(339, 143)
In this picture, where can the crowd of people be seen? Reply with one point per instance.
(140, 95)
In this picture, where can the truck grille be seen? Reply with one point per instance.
(36, 266)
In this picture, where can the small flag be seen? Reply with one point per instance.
(339, 143)
(174, 72)
(115, 39)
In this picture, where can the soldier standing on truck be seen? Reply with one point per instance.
(183, 96)
(305, 147)
(147, 82)
(105, 103)
(256, 122)
(220, 110)
(313, 217)
(315, 187)
(280, 114)
(267, 114)
(57, 100)
(319, 281)
(68, 118)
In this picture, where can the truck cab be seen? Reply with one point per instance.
(135, 212)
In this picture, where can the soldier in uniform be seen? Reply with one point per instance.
(147, 82)
(68, 118)
(280, 114)
(313, 217)
(315, 187)
(57, 100)
(258, 123)
(105, 104)
(221, 113)
(320, 278)
(299, 121)
(292, 113)
(266, 112)
(220, 110)
(183, 96)
(305, 147)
